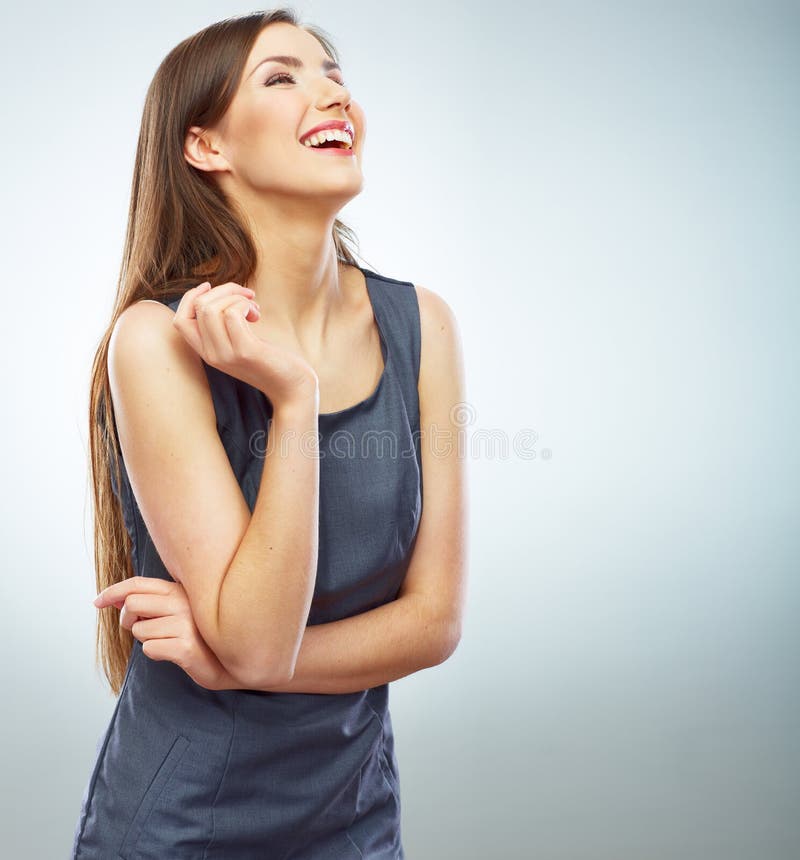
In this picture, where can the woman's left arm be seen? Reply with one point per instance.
(422, 627)
(372, 648)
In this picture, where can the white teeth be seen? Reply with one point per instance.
(329, 134)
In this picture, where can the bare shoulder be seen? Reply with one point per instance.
(441, 360)
(144, 324)
(145, 342)
(152, 370)
(433, 308)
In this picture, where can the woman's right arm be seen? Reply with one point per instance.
(249, 579)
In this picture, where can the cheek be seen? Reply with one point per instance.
(359, 119)
(262, 146)
(255, 133)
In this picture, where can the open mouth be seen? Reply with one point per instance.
(329, 138)
(329, 144)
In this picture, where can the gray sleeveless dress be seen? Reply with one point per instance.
(185, 772)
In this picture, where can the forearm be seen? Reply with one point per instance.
(266, 593)
(366, 650)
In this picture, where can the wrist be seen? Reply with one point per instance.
(298, 409)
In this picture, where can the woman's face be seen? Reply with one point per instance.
(257, 142)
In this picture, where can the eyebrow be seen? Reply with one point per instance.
(295, 63)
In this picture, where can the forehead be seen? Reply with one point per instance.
(283, 38)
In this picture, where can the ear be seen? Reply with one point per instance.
(202, 152)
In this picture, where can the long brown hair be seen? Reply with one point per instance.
(181, 231)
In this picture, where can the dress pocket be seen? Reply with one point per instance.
(151, 796)
(375, 830)
(389, 774)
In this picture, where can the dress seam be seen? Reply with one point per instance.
(377, 717)
(350, 838)
(219, 784)
(100, 756)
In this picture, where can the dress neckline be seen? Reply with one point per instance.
(370, 399)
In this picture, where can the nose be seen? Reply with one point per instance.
(333, 93)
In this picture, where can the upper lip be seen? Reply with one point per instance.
(330, 123)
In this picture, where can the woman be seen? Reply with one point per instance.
(264, 568)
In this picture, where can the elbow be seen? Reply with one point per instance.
(442, 630)
(447, 639)
(262, 670)
(261, 676)
(255, 669)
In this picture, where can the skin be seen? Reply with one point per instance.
(308, 301)
(317, 310)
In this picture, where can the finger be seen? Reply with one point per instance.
(227, 289)
(127, 618)
(153, 605)
(217, 303)
(215, 294)
(186, 312)
(170, 649)
(117, 593)
(211, 322)
(128, 615)
(167, 626)
(238, 331)
(192, 296)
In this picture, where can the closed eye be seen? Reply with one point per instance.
(286, 76)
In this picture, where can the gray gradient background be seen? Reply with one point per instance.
(607, 196)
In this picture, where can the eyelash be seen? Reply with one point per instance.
(269, 80)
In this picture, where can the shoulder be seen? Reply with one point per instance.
(429, 308)
(441, 360)
(438, 324)
(145, 321)
(145, 348)
(145, 325)
(434, 312)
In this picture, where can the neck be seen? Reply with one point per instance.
(297, 278)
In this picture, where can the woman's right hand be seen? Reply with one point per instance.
(213, 320)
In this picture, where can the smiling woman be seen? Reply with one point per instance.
(263, 571)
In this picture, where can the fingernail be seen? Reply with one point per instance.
(96, 600)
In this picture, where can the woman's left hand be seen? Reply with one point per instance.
(159, 615)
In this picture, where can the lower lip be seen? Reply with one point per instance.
(330, 150)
